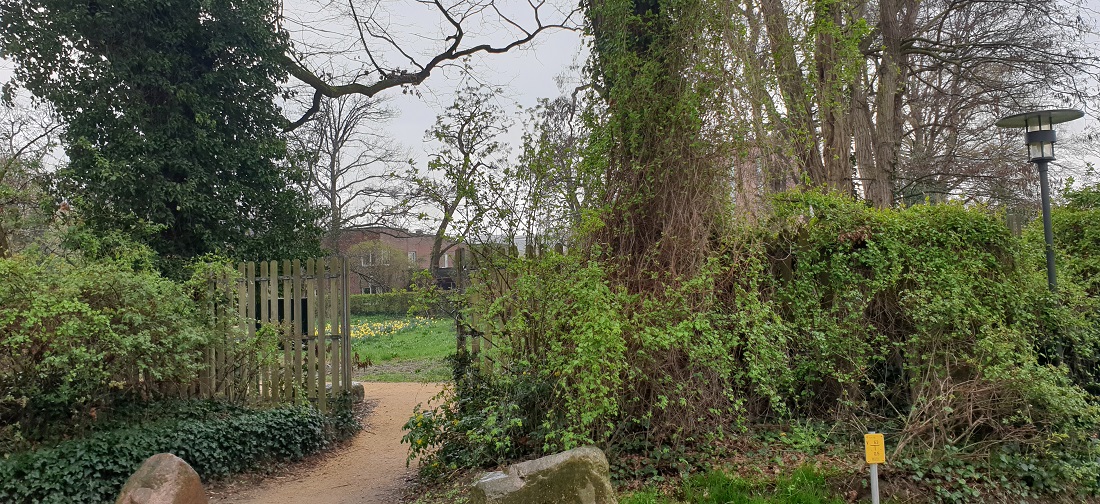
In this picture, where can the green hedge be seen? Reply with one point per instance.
(932, 323)
(389, 303)
(74, 330)
(92, 470)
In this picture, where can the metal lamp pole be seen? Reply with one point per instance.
(1040, 137)
(1048, 231)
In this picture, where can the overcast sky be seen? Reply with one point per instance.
(527, 74)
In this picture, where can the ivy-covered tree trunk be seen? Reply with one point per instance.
(665, 183)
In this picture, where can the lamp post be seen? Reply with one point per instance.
(1040, 137)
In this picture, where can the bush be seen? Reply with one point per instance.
(387, 303)
(932, 323)
(229, 440)
(76, 334)
(1075, 324)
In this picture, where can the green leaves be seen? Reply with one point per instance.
(171, 129)
(74, 333)
(216, 444)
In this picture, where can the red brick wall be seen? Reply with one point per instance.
(399, 239)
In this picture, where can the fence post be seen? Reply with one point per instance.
(287, 337)
(346, 305)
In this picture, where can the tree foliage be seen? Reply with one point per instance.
(171, 127)
(463, 174)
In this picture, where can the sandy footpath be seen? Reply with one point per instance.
(370, 471)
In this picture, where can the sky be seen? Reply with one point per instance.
(324, 27)
(525, 74)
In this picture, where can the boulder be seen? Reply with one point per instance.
(357, 392)
(163, 479)
(577, 476)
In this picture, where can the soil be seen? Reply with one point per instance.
(369, 470)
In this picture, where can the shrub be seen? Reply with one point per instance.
(77, 334)
(386, 303)
(1074, 324)
(230, 440)
(932, 323)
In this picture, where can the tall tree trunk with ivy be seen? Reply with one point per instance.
(666, 183)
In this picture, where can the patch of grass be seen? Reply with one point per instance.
(398, 349)
(423, 370)
(804, 486)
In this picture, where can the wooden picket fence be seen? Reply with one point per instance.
(287, 334)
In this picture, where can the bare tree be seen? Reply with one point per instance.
(550, 184)
(390, 63)
(26, 137)
(352, 165)
(897, 98)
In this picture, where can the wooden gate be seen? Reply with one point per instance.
(287, 334)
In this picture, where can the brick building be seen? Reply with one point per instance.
(373, 267)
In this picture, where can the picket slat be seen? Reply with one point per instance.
(263, 317)
(292, 295)
(322, 281)
(345, 307)
(285, 391)
(297, 320)
(336, 359)
(311, 328)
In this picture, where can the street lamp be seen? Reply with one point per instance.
(1040, 137)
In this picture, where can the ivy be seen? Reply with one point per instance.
(932, 323)
(93, 469)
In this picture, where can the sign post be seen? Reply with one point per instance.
(875, 447)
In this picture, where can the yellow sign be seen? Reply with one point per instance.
(876, 448)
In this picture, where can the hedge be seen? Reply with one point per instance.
(73, 329)
(388, 303)
(93, 469)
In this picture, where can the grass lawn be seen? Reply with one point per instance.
(804, 486)
(400, 349)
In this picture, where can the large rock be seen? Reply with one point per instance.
(163, 479)
(356, 389)
(577, 476)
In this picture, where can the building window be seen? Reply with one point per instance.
(412, 256)
(367, 260)
(445, 261)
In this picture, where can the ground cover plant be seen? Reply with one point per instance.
(931, 323)
(402, 348)
(802, 486)
(215, 439)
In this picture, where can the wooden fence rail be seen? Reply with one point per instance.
(287, 334)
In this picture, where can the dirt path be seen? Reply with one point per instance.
(370, 471)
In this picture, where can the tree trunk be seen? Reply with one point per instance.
(896, 19)
(800, 130)
(836, 139)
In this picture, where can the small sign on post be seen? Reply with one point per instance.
(875, 447)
